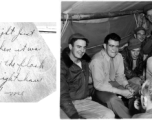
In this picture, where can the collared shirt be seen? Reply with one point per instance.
(100, 66)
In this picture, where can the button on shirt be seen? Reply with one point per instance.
(100, 67)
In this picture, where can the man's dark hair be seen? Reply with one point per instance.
(77, 36)
(138, 29)
(112, 36)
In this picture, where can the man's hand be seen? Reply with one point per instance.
(126, 94)
(130, 89)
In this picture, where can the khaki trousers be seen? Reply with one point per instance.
(113, 102)
(92, 110)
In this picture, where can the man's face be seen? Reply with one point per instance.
(78, 49)
(141, 35)
(149, 15)
(135, 53)
(112, 48)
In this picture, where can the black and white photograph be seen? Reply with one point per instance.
(106, 60)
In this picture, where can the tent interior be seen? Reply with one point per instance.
(96, 19)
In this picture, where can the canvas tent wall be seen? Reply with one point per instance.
(97, 19)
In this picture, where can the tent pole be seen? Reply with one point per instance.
(65, 25)
(89, 16)
(135, 20)
(102, 44)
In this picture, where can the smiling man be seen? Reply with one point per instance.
(75, 91)
(140, 34)
(107, 70)
(134, 65)
(133, 61)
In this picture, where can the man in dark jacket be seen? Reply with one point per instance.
(133, 61)
(134, 67)
(75, 90)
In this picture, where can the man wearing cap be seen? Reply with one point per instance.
(133, 61)
(134, 66)
(107, 70)
(75, 83)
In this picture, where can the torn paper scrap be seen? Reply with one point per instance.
(28, 68)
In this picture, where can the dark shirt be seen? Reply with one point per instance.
(147, 46)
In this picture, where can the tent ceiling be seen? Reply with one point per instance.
(84, 7)
(103, 17)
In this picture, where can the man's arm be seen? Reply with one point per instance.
(65, 101)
